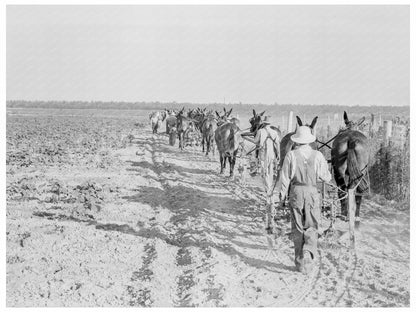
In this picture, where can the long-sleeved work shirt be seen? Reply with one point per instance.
(289, 167)
(266, 138)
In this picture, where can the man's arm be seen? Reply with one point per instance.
(255, 140)
(285, 176)
(323, 171)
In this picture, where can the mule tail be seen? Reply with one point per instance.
(356, 175)
(230, 143)
(232, 138)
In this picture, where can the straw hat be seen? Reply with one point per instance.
(303, 135)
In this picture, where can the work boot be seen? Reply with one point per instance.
(300, 267)
(271, 227)
(357, 223)
(308, 262)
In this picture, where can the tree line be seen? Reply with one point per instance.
(276, 109)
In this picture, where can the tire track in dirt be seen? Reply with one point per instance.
(180, 237)
(141, 296)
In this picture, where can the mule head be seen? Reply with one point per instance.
(311, 125)
(191, 113)
(256, 121)
(352, 125)
(221, 118)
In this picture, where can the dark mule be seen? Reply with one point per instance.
(170, 120)
(256, 123)
(349, 157)
(199, 116)
(225, 118)
(183, 126)
(228, 140)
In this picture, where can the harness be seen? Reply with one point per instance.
(275, 144)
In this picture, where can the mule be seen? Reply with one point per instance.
(208, 133)
(170, 121)
(350, 157)
(183, 126)
(228, 139)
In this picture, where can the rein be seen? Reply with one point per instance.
(326, 143)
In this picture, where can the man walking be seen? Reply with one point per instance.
(302, 168)
(267, 140)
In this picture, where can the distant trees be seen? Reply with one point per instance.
(275, 110)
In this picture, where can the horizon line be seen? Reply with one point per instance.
(206, 103)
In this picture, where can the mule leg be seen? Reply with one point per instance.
(181, 140)
(230, 160)
(340, 180)
(221, 163)
(232, 163)
(203, 143)
(225, 162)
(208, 145)
(358, 199)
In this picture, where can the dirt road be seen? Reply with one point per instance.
(173, 232)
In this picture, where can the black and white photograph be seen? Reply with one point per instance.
(207, 156)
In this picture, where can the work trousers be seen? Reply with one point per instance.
(267, 178)
(304, 203)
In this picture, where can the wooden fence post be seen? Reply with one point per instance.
(371, 130)
(351, 215)
(388, 127)
(289, 122)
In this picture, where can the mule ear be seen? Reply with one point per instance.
(229, 113)
(218, 115)
(254, 112)
(262, 113)
(313, 124)
(346, 118)
(360, 121)
(299, 120)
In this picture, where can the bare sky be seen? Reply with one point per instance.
(349, 55)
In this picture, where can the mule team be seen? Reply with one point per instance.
(293, 162)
